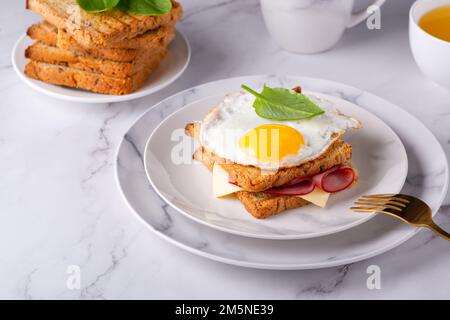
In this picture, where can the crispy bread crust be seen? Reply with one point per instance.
(101, 29)
(53, 55)
(251, 178)
(262, 205)
(43, 32)
(151, 39)
(46, 33)
(95, 82)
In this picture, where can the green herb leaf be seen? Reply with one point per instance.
(94, 6)
(283, 104)
(146, 7)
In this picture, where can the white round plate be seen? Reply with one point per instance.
(378, 154)
(427, 179)
(170, 68)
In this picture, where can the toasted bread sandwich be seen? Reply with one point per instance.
(258, 203)
(311, 159)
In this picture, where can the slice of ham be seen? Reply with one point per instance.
(297, 180)
(305, 186)
(333, 180)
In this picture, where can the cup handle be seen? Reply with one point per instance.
(362, 15)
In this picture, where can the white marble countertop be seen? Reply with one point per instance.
(60, 206)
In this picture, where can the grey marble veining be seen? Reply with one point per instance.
(60, 205)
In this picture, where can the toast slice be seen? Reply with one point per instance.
(262, 205)
(53, 55)
(151, 39)
(47, 34)
(43, 32)
(100, 29)
(50, 35)
(251, 178)
(95, 82)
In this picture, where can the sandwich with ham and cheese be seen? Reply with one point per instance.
(275, 150)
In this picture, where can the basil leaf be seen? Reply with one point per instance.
(283, 104)
(94, 6)
(146, 7)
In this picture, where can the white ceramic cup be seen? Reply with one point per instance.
(310, 26)
(432, 54)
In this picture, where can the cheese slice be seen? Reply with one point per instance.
(222, 188)
(317, 197)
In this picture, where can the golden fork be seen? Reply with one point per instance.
(407, 208)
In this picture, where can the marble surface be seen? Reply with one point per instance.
(60, 205)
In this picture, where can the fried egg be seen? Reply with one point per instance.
(235, 132)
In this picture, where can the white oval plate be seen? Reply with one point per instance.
(171, 67)
(378, 154)
(427, 179)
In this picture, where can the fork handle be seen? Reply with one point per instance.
(444, 234)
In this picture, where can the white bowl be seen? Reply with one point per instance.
(432, 54)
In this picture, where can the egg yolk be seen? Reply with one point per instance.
(271, 142)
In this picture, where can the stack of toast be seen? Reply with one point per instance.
(110, 53)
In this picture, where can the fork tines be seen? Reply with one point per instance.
(380, 202)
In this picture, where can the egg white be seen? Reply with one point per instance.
(224, 125)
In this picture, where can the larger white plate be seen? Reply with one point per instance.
(170, 69)
(186, 185)
(427, 179)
